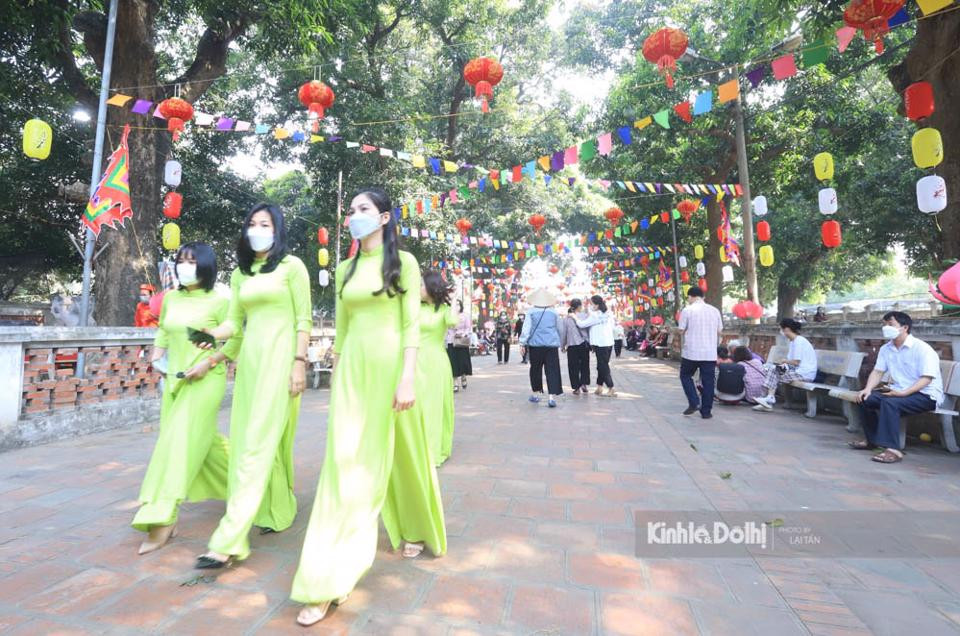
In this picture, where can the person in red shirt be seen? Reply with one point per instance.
(143, 317)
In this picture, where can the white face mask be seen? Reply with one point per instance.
(890, 332)
(261, 238)
(187, 273)
(363, 225)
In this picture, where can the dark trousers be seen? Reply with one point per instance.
(617, 347)
(503, 350)
(545, 359)
(603, 366)
(881, 416)
(578, 365)
(708, 377)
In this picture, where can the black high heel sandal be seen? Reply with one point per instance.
(209, 563)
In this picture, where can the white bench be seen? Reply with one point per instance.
(947, 412)
(844, 364)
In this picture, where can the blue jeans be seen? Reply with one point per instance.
(881, 416)
(708, 377)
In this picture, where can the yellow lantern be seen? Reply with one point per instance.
(698, 252)
(323, 257)
(927, 148)
(37, 138)
(171, 236)
(823, 166)
(766, 255)
(723, 254)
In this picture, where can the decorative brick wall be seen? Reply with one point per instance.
(112, 373)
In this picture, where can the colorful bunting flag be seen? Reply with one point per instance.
(784, 67)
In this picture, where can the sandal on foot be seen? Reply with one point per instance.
(888, 456)
(313, 614)
(205, 562)
(861, 444)
(265, 530)
(611, 393)
(412, 550)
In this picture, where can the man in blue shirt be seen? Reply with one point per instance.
(915, 386)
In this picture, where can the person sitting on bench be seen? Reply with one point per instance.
(915, 387)
(801, 364)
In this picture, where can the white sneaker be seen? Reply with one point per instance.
(763, 404)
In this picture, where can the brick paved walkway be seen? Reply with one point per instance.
(539, 513)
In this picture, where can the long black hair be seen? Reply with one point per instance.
(391, 246)
(206, 261)
(438, 289)
(278, 251)
(598, 301)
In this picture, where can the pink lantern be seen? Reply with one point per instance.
(947, 289)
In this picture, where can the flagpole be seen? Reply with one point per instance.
(91, 238)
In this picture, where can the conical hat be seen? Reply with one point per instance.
(541, 297)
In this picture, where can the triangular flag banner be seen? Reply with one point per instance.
(640, 124)
(556, 161)
(299, 135)
(571, 156)
(784, 67)
(625, 136)
(605, 144)
(845, 36)
(588, 150)
(544, 162)
(418, 161)
(315, 138)
(662, 118)
(242, 126)
(261, 129)
(728, 91)
(900, 17)
(141, 106)
(931, 6)
(205, 119)
(517, 174)
(530, 169)
(367, 148)
(111, 200)
(756, 75)
(119, 100)
(683, 111)
(449, 166)
(435, 165)
(386, 152)
(704, 103)
(814, 54)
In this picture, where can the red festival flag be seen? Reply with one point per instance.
(111, 200)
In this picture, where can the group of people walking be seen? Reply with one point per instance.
(583, 329)
(390, 420)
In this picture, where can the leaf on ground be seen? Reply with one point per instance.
(726, 475)
(774, 523)
(198, 579)
(694, 448)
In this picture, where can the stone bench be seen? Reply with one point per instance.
(842, 364)
(947, 414)
(663, 351)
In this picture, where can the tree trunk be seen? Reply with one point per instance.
(937, 38)
(131, 257)
(787, 297)
(714, 295)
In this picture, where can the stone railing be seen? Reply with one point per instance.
(42, 398)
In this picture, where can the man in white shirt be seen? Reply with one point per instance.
(915, 386)
(801, 364)
(701, 325)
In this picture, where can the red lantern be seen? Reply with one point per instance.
(317, 97)
(491, 287)
(656, 320)
(918, 100)
(687, 207)
(872, 16)
(323, 237)
(663, 48)
(464, 226)
(664, 217)
(554, 269)
(702, 284)
(177, 112)
(537, 221)
(763, 231)
(831, 234)
(172, 203)
(483, 73)
(510, 272)
(747, 309)
(614, 215)
(684, 276)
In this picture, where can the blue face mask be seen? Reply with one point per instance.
(363, 225)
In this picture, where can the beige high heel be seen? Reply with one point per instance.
(313, 614)
(149, 546)
(412, 550)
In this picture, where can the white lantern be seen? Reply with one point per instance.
(683, 261)
(171, 173)
(727, 274)
(650, 282)
(828, 201)
(324, 278)
(670, 296)
(701, 269)
(760, 205)
(931, 194)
